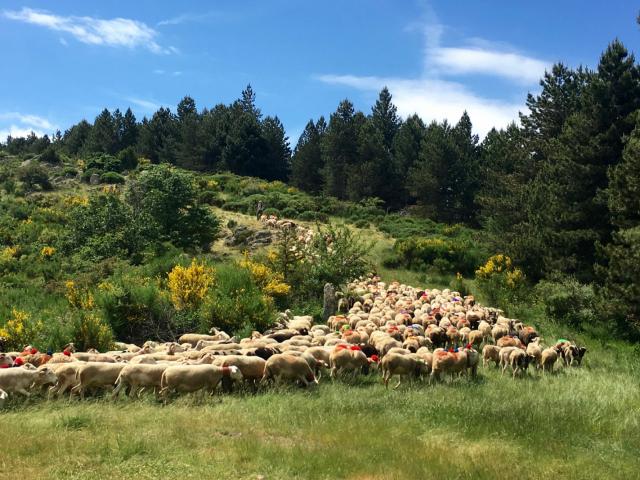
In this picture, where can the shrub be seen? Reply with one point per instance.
(458, 284)
(501, 282)
(111, 178)
(236, 303)
(136, 309)
(362, 223)
(568, 301)
(232, 223)
(69, 172)
(289, 212)
(208, 197)
(90, 331)
(106, 227)
(189, 285)
(50, 156)
(168, 198)
(88, 173)
(336, 255)
(34, 175)
(128, 159)
(20, 330)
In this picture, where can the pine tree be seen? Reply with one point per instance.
(248, 103)
(307, 162)
(385, 118)
(339, 149)
(103, 136)
(278, 159)
(188, 125)
(76, 137)
(159, 137)
(128, 131)
(621, 272)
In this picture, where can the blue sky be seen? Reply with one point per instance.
(66, 60)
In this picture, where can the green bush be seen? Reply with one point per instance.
(362, 223)
(168, 197)
(105, 162)
(50, 156)
(127, 159)
(136, 310)
(289, 213)
(208, 197)
(111, 178)
(236, 303)
(88, 173)
(69, 172)
(34, 175)
(90, 331)
(568, 301)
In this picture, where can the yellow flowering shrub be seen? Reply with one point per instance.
(74, 200)
(495, 265)
(77, 297)
(188, 286)
(500, 280)
(9, 253)
(271, 282)
(47, 252)
(19, 331)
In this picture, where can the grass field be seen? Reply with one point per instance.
(578, 423)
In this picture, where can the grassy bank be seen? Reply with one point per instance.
(579, 423)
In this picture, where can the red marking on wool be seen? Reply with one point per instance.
(341, 347)
(375, 358)
(354, 347)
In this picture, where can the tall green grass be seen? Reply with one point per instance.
(578, 423)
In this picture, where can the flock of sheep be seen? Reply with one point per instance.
(395, 329)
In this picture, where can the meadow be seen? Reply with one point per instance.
(578, 423)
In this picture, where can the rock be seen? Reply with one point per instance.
(243, 236)
(330, 304)
(94, 179)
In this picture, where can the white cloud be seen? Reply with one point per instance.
(21, 125)
(513, 66)
(146, 105)
(189, 18)
(435, 98)
(115, 32)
